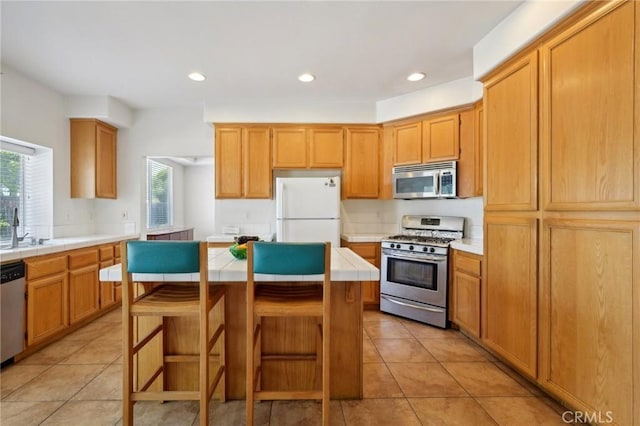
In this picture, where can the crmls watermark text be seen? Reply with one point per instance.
(587, 417)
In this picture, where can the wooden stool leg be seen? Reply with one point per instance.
(250, 368)
(127, 366)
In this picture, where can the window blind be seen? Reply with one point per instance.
(159, 194)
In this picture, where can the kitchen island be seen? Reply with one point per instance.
(297, 335)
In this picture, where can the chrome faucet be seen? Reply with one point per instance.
(14, 232)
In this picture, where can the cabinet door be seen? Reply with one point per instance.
(589, 308)
(290, 148)
(441, 138)
(84, 298)
(257, 162)
(326, 147)
(466, 302)
(83, 158)
(370, 289)
(509, 297)
(106, 161)
(468, 151)
(479, 148)
(589, 110)
(362, 167)
(47, 309)
(107, 293)
(408, 144)
(511, 158)
(228, 162)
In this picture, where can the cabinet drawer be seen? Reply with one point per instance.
(368, 251)
(116, 250)
(83, 258)
(42, 268)
(468, 264)
(106, 253)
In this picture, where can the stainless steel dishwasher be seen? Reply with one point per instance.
(12, 309)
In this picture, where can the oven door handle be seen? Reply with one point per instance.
(424, 259)
(438, 311)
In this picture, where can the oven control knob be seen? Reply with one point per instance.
(410, 247)
(432, 249)
(393, 245)
(425, 249)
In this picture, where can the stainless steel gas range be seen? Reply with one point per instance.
(414, 267)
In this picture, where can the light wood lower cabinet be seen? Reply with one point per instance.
(47, 298)
(466, 289)
(589, 308)
(84, 297)
(370, 289)
(509, 297)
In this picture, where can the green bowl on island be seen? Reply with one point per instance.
(239, 251)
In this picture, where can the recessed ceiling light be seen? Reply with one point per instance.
(416, 76)
(196, 76)
(306, 77)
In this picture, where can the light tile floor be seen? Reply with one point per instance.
(414, 374)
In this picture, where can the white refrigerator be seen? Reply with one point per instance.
(308, 209)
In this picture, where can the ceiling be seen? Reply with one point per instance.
(141, 52)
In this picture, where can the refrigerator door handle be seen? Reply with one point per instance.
(280, 205)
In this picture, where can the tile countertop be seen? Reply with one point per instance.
(363, 238)
(61, 244)
(345, 266)
(470, 245)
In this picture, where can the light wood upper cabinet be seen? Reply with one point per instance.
(256, 164)
(317, 146)
(509, 296)
(441, 138)
(93, 159)
(511, 155)
(470, 161)
(407, 147)
(290, 148)
(362, 166)
(590, 110)
(228, 162)
(326, 147)
(478, 112)
(243, 162)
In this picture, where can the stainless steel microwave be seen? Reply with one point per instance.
(432, 180)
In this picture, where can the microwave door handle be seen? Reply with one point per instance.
(436, 183)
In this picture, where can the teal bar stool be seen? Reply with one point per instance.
(304, 299)
(170, 299)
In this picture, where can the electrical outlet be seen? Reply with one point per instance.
(124, 215)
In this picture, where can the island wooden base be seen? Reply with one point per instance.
(292, 335)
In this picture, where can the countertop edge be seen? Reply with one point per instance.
(469, 245)
(363, 238)
(58, 245)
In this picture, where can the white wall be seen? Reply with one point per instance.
(33, 113)
(154, 132)
(447, 95)
(291, 111)
(518, 29)
(383, 216)
(199, 200)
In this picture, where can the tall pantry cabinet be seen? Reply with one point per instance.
(577, 222)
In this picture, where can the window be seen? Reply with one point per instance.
(159, 194)
(26, 184)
